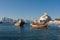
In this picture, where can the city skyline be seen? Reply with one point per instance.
(29, 9)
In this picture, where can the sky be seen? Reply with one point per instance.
(29, 9)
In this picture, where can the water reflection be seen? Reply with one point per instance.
(28, 33)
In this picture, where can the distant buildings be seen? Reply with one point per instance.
(7, 20)
(10, 20)
(55, 21)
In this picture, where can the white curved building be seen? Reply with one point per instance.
(45, 18)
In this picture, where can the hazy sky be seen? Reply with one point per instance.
(29, 9)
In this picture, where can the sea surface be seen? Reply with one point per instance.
(11, 32)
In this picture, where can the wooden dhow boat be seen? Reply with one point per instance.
(41, 22)
(39, 25)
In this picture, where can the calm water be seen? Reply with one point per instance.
(10, 32)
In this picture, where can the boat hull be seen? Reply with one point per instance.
(19, 23)
(39, 25)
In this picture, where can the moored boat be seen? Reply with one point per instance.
(41, 22)
(19, 23)
(40, 25)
